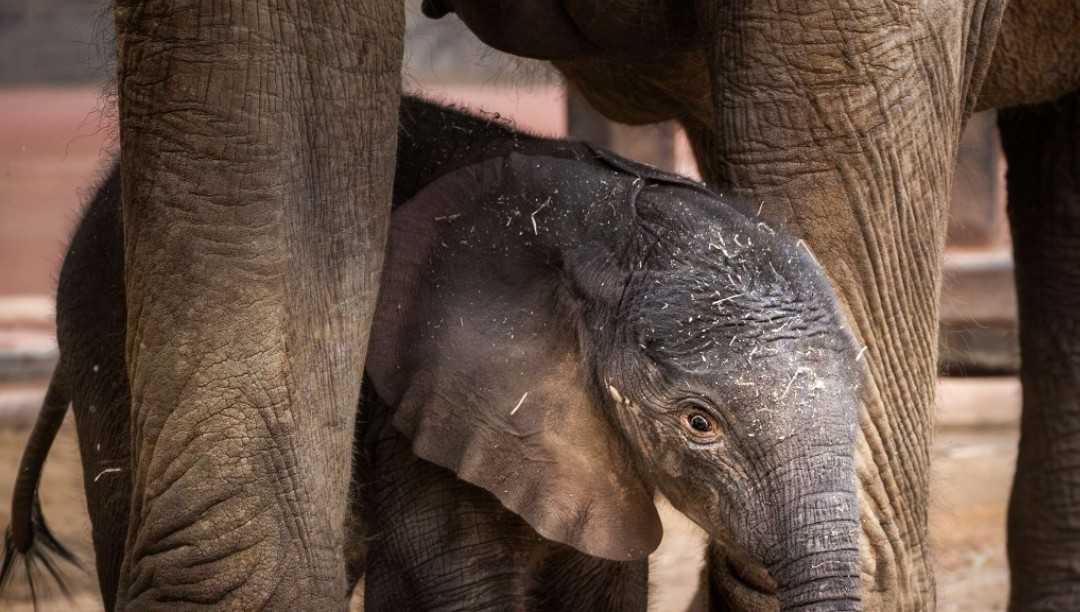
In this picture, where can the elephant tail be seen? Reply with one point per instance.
(28, 537)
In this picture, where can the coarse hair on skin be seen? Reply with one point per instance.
(28, 537)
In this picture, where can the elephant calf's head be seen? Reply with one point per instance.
(574, 332)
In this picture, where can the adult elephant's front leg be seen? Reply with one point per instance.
(841, 119)
(1042, 145)
(257, 144)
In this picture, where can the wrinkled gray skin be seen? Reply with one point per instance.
(571, 332)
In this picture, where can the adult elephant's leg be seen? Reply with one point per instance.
(257, 145)
(841, 120)
(1042, 146)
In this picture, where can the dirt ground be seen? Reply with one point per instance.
(972, 472)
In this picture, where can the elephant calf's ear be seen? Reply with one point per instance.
(470, 345)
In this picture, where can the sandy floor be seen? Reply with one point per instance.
(972, 471)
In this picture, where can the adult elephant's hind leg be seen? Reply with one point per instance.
(1042, 145)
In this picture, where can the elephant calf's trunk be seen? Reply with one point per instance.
(820, 568)
(833, 590)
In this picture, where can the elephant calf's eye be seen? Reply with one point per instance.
(700, 425)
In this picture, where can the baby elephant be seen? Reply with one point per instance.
(561, 333)
(571, 332)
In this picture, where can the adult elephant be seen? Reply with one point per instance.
(238, 119)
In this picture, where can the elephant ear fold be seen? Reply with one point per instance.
(646, 172)
(475, 345)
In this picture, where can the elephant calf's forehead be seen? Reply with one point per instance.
(717, 294)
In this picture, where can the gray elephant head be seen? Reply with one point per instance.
(608, 331)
